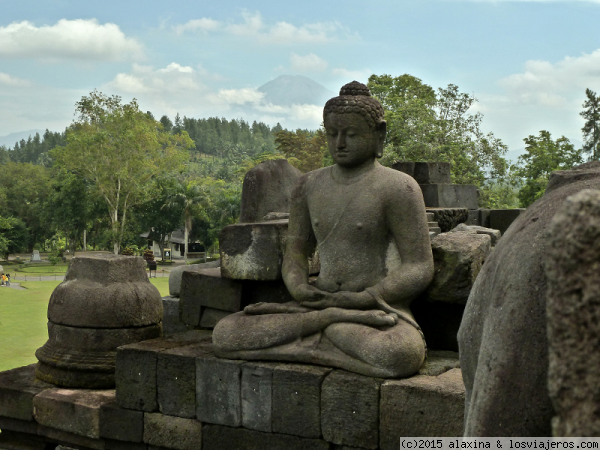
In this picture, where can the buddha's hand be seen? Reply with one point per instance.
(343, 299)
(306, 294)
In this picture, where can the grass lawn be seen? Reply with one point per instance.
(23, 320)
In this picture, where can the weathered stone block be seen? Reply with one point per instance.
(175, 277)
(210, 317)
(207, 288)
(14, 440)
(256, 393)
(21, 426)
(473, 217)
(458, 258)
(267, 188)
(18, 387)
(350, 409)
(450, 195)
(135, 373)
(70, 440)
(73, 411)
(253, 251)
(110, 444)
(216, 437)
(421, 406)
(484, 218)
(408, 167)
(171, 323)
(172, 432)
(121, 424)
(176, 379)
(501, 219)
(218, 391)
(297, 399)
(493, 234)
(432, 173)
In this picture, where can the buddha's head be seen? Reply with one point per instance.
(354, 125)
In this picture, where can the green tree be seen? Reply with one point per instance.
(71, 206)
(24, 189)
(120, 150)
(192, 200)
(425, 125)
(158, 216)
(591, 128)
(304, 149)
(13, 236)
(543, 155)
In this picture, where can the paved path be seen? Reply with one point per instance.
(15, 286)
(29, 277)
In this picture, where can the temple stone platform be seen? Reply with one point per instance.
(174, 393)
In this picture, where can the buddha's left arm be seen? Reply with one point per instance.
(407, 220)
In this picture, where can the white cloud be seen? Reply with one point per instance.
(203, 25)
(173, 79)
(240, 96)
(9, 80)
(351, 75)
(308, 63)
(554, 85)
(254, 27)
(68, 39)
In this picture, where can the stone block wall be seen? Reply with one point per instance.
(173, 393)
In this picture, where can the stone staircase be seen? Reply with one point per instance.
(434, 228)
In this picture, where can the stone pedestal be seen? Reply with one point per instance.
(172, 393)
(105, 301)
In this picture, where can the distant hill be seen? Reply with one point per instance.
(10, 139)
(287, 90)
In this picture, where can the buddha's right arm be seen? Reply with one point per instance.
(301, 243)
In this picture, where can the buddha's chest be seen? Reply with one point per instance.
(346, 212)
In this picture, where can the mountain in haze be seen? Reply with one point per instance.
(10, 139)
(287, 90)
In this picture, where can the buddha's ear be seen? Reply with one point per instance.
(381, 129)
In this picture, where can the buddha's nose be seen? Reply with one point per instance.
(341, 141)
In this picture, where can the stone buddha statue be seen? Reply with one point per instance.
(369, 225)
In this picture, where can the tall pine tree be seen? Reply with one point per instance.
(591, 129)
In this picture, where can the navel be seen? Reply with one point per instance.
(359, 225)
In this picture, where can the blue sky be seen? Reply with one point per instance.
(527, 62)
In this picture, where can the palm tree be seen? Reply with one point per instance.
(192, 200)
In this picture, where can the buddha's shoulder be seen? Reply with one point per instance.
(392, 179)
(311, 179)
(316, 176)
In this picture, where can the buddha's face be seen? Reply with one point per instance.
(351, 141)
